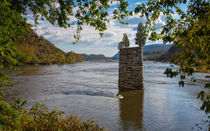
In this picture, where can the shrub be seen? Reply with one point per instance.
(39, 118)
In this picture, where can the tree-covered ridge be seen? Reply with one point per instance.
(153, 55)
(171, 52)
(37, 50)
(93, 57)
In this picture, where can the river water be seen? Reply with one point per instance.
(89, 90)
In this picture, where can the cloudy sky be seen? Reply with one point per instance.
(91, 42)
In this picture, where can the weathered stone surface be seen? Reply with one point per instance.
(131, 68)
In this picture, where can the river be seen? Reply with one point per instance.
(89, 90)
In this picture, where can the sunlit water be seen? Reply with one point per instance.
(89, 90)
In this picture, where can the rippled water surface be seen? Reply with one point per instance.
(89, 89)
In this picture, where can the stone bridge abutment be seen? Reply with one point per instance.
(131, 68)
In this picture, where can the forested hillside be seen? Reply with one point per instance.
(93, 57)
(153, 55)
(169, 54)
(156, 47)
(37, 50)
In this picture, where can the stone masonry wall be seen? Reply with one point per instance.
(131, 68)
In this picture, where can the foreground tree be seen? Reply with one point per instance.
(189, 30)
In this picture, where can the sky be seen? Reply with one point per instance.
(91, 42)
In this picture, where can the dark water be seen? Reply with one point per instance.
(89, 90)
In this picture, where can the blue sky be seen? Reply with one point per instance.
(91, 42)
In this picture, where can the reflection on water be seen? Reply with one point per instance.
(90, 89)
(131, 110)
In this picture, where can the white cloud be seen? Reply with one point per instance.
(113, 3)
(135, 19)
(90, 42)
(56, 5)
(138, 3)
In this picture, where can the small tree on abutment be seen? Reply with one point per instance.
(140, 35)
(125, 42)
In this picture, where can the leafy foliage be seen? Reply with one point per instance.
(190, 32)
(12, 29)
(39, 118)
(61, 12)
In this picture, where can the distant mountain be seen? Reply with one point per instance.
(37, 50)
(93, 57)
(116, 57)
(169, 54)
(154, 49)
